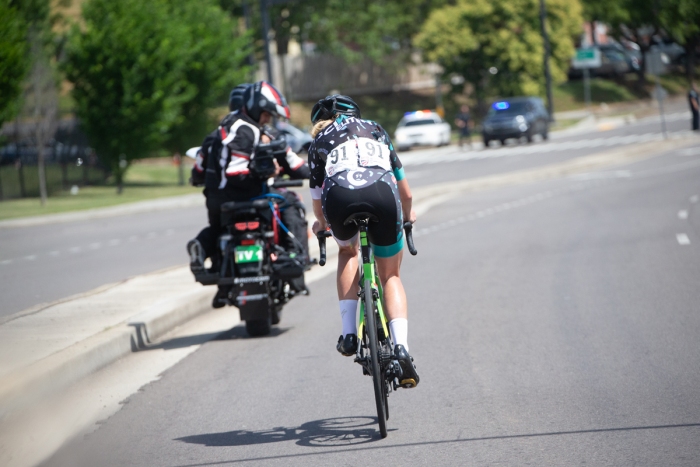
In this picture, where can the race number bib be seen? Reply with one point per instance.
(358, 153)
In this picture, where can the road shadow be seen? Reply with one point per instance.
(330, 432)
(350, 434)
(141, 342)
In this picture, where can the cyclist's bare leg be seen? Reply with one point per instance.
(348, 272)
(394, 293)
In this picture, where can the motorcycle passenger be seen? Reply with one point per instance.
(354, 168)
(211, 146)
(230, 173)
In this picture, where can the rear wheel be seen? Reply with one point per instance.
(257, 327)
(377, 376)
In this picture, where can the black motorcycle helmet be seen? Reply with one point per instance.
(330, 106)
(235, 99)
(264, 97)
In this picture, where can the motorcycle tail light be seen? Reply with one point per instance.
(247, 225)
(246, 242)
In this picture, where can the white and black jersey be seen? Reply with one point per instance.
(353, 152)
(228, 163)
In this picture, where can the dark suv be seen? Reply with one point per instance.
(515, 117)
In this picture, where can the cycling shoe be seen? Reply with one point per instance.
(347, 346)
(409, 378)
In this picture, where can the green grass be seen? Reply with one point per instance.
(144, 180)
(570, 95)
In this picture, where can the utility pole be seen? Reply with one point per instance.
(265, 14)
(547, 74)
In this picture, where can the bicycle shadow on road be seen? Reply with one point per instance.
(330, 432)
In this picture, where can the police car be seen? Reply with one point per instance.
(421, 128)
(516, 117)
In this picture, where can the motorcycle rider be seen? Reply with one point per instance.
(229, 173)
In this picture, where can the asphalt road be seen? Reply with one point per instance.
(51, 262)
(554, 323)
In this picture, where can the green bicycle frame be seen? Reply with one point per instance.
(369, 270)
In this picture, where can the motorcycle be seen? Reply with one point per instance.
(258, 275)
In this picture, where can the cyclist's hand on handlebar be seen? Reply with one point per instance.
(319, 227)
(412, 217)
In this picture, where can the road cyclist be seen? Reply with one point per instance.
(356, 171)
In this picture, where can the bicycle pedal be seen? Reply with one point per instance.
(408, 383)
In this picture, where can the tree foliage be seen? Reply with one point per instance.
(14, 61)
(139, 73)
(639, 20)
(214, 64)
(470, 37)
(379, 29)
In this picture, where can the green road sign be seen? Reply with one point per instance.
(587, 58)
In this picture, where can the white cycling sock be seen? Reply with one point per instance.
(348, 313)
(399, 331)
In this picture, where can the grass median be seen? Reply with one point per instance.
(148, 179)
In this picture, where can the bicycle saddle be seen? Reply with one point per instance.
(360, 217)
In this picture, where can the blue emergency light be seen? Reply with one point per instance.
(501, 105)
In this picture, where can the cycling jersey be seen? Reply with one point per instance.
(352, 151)
(354, 168)
(227, 168)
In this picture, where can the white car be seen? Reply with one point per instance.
(421, 128)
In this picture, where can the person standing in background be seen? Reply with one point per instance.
(694, 101)
(464, 124)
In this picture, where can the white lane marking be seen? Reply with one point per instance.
(54, 253)
(683, 214)
(694, 198)
(690, 152)
(30, 257)
(602, 175)
(95, 246)
(6, 261)
(75, 249)
(114, 242)
(682, 239)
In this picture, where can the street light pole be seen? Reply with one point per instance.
(547, 74)
(266, 32)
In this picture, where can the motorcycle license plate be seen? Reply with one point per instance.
(248, 254)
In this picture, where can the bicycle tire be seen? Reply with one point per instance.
(377, 376)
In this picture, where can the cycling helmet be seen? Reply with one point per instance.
(264, 97)
(235, 99)
(330, 106)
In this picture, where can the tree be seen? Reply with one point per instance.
(14, 60)
(41, 106)
(681, 18)
(210, 68)
(496, 45)
(129, 77)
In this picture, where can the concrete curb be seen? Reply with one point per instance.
(64, 368)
